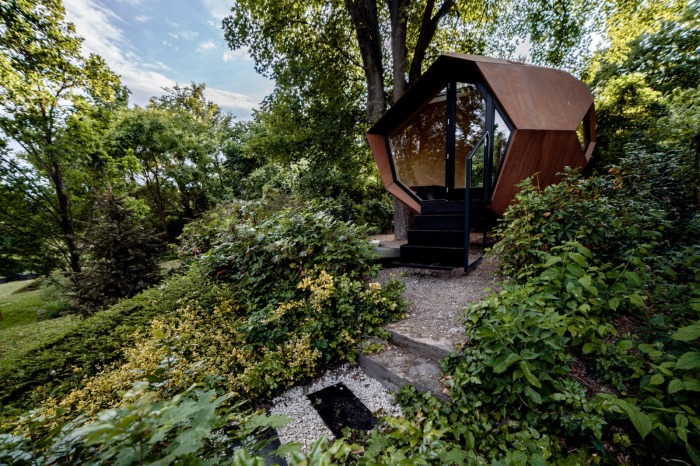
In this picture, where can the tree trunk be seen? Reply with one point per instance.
(366, 21)
(399, 51)
(67, 227)
(428, 27)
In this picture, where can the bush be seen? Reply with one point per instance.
(122, 257)
(250, 328)
(267, 254)
(194, 427)
(593, 211)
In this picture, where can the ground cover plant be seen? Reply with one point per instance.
(270, 299)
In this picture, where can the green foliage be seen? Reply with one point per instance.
(645, 80)
(193, 427)
(121, 256)
(268, 253)
(60, 364)
(593, 352)
(54, 102)
(608, 215)
(232, 331)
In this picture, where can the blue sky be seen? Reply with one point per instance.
(153, 44)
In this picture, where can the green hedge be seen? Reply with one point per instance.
(60, 365)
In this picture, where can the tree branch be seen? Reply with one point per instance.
(428, 28)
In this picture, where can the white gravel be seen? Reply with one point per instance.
(307, 426)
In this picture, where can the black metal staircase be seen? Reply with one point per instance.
(437, 238)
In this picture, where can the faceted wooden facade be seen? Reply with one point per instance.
(521, 119)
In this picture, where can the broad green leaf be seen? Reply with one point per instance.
(636, 300)
(614, 303)
(578, 258)
(552, 260)
(692, 385)
(681, 420)
(589, 347)
(688, 333)
(674, 386)
(640, 420)
(585, 281)
(624, 345)
(504, 362)
(533, 395)
(525, 367)
(454, 456)
(689, 360)
(656, 379)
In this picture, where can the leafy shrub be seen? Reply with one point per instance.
(254, 355)
(194, 427)
(587, 210)
(267, 255)
(583, 361)
(234, 335)
(122, 257)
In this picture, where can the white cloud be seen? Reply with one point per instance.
(218, 8)
(98, 26)
(207, 45)
(230, 100)
(141, 18)
(189, 35)
(94, 23)
(159, 65)
(238, 54)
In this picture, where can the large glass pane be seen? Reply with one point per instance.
(478, 161)
(418, 149)
(501, 136)
(470, 125)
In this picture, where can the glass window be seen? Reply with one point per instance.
(470, 125)
(583, 134)
(478, 160)
(501, 136)
(418, 148)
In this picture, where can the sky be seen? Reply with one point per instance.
(154, 44)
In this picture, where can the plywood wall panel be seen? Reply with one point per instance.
(544, 153)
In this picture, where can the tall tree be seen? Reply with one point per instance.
(47, 86)
(178, 142)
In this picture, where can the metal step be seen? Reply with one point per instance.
(428, 255)
(451, 238)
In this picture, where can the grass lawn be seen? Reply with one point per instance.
(20, 331)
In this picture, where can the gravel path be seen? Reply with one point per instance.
(436, 300)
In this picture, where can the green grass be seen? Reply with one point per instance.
(20, 331)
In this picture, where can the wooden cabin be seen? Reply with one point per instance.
(454, 147)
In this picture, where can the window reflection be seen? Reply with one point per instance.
(419, 148)
(469, 128)
(478, 161)
(501, 135)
